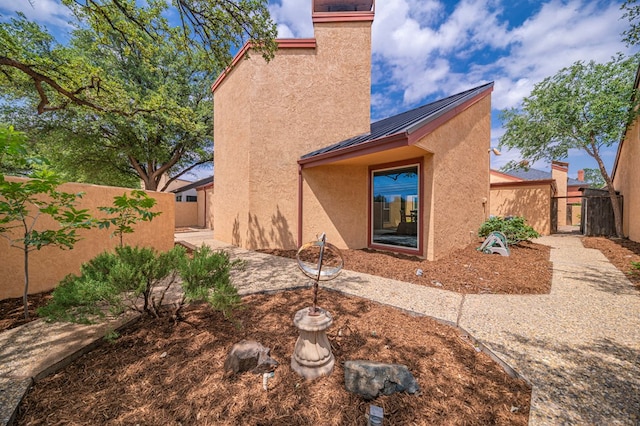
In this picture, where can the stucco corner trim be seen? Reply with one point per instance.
(283, 43)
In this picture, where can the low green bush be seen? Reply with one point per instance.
(514, 228)
(138, 279)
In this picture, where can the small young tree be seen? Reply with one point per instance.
(128, 211)
(22, 204)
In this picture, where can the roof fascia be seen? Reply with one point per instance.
(383, 144)
(283, 43)
(429, 124)
(342, 17)
(500, 185)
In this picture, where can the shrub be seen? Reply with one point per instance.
(138, 279)
(635, 268)
(207, 277)
(514, 228)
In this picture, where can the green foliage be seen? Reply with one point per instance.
(586, 106)
(594, 178)
(635, 268)
(138, 279)
(23, 203)
(514, 228)
(207, 277)
(128, 211)
(632, 13)
(34, 64)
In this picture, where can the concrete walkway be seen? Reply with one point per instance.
(578, 346)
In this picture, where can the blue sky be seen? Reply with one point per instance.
(428, 49)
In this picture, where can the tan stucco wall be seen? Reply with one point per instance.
(559, 174)
(205, 208)
(533, 202)
(336, 202)
(267, 115)
(50, 264)
(186, 214)
(456, 180)
(627, 181)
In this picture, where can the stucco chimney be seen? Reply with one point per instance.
(581, 175)
(559, 172)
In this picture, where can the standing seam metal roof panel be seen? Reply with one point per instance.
(405, 122)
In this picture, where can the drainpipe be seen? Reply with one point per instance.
(299, 205)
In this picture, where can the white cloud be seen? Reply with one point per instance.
(45, 12)
(293, 18)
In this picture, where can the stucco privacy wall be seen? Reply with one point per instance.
(456, 180)
(49, 265)
(627, 180)
(530, 200)
(186, 214)
(267, 115)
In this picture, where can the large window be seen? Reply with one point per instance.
(395, 206)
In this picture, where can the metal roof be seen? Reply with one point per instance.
(535, 174)
(193, 185)
(406, 122)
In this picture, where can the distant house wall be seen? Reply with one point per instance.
(529, 199)
(50, 264)
(559, 172)
(267, 115)
(186, 214)
(205, 207)
(626, 179)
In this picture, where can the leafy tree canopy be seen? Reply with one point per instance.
(128, 98)
(31, 61)
(586, 106)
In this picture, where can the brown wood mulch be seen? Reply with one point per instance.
(620, 252)
(160, 373)
(526, 271)
(12, 310)
(164, 374)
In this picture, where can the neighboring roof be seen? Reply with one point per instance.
(195, 184)
(535, 174)
(405, 123)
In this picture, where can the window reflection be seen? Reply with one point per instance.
(395, 206)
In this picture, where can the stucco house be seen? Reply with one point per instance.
(531, 193)
(626, 176)
(297, 154)
(194, 203)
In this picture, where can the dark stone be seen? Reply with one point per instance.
(249, 355)
(371, 379)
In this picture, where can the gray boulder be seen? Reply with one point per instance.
(249, 355)
(371, 379)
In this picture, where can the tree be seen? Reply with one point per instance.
(171, 136)
(586, 106)
(127, 211)
(594, 178)
(632, 13)
(22, 204)
(32, 62)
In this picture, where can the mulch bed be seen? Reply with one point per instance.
(12, 310)
(164, 374)
(526, 271)
(620, 252)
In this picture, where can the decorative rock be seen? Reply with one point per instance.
(249, 355)
(371, 379)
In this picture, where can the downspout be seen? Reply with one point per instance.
(299, 205)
